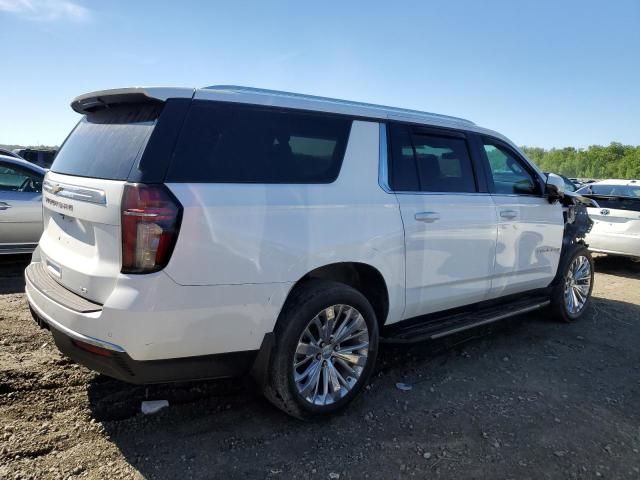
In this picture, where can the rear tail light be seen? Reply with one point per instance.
(150, 222)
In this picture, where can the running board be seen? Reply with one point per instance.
(432, 327)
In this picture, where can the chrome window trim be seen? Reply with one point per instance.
(466, 194)
(74, 192)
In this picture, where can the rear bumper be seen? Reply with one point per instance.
(618, 244)
(158, 331)
(116, 363)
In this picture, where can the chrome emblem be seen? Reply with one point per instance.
(56, 188)
(604, 211)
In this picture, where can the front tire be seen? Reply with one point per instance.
(326, 348)
(571, 294)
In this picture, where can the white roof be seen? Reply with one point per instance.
(274, 98)
(312, 102)
(614, 181)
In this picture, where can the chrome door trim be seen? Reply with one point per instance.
(75, 192)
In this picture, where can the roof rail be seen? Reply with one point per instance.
(336, 101)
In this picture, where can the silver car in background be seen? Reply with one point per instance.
(20, 205)
(616, 218)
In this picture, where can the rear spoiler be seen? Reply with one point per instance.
(90, 102)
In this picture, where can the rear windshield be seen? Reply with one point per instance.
(107, 143)
(231, 143)
(619, 197)
(611, 190)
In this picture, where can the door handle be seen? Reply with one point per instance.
(427, 217)
(508, 214)
(4, 206)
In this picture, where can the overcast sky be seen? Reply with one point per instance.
(544, 73)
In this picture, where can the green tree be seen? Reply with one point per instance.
(613, 161)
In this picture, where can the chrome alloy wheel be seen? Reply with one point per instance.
(577, 284)
(331, 354)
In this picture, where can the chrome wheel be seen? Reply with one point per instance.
(331, 354)
(577, 284)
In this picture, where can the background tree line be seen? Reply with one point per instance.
(597, 162)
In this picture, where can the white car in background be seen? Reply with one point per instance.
(616, 218)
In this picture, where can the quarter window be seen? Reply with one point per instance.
(508, 173)
(231, 143)
(425, 162)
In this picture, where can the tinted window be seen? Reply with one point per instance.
(47, 158)
(429, 163)
(509, 175)
(612, 190)
(30, 156)
(18, 179)
(230, 143)
(107, 143)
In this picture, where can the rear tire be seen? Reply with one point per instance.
(571, 294)
(326, 348)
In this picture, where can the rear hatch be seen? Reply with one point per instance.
(81, 245)
(615, 215)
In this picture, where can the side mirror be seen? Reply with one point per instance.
(554, 187)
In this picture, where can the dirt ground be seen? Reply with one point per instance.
(526, 398)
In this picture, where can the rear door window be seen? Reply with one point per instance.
(232, 143)
(429, 162)
(107, 143)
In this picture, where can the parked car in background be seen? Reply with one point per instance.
(20, 205)
(42, 157)
(220, 231)
(8, 153)
(616, 218)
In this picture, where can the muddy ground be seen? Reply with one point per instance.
(527, 398)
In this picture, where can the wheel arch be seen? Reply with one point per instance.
(363, 277)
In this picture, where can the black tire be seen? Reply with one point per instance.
(559, 308)
(303, 305)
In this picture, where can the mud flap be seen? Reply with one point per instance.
(260, 369)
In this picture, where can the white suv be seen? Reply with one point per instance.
(193, 234)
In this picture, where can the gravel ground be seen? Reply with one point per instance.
(527, 398)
